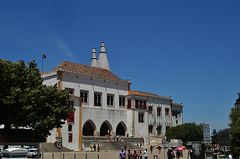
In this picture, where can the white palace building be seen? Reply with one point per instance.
(105, 105)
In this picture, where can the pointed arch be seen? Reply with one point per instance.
(89, 128)
(121, 129)
(106, 128)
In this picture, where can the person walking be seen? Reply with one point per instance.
(159, 149)
(145, 154)
(122, 154)
(135, 155)
(151, 148)
(169, 153)
(140, 154)
(94, 147)
(129, 154)
(178, 154)
(98, 147)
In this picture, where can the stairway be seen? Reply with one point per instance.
(112, 145)
(50, 147)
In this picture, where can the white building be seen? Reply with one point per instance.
(105, 105)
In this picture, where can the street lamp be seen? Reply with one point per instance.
(237, 104)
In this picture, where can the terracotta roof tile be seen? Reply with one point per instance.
(87, 71)
(146, 94)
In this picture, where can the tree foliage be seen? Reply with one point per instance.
(186, 132)
(26, 102)
(235, 130)
(222, 137)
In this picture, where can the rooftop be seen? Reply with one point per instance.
(85, 70)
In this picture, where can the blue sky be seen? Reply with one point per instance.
(181, 48)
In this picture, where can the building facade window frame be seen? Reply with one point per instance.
(159, 109)
(110, 99)
(97, 99)
(150, 110)
(140, 117)
(167, 112)
(84, 94)
(122, 100)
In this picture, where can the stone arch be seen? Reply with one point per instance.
(89, 128)
(106, 128)
(121, 129)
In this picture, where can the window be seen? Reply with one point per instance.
(129, 104)
(150, 128)
(122, 101)
(139, 104)
(70, 117)
(84, 96)
(150, 108)
(69, 137)
(70, 128)
(158, 111)
(144, 105)
(159, 130)
(176, 121)
(166, 111)
(70, 90)
(136, 103)
(97, 99)
(110, 99)
(141, 117)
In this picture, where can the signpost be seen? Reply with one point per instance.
(164, 141)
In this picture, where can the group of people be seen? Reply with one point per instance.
(135, 155)
(94, 147)
(171, 154)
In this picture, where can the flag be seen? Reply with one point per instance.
(44, 56)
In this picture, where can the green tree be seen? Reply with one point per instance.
(186, 132)
(235, 130)
(26, 102)
(223, 137)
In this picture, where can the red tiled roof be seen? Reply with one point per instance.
(146, 94)
(87, 71)
(5, 61)
(176, 104)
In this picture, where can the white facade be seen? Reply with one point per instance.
(107, 106)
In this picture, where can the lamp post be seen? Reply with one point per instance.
(237, 104)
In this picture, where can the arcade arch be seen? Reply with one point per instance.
(121, 129)
(105, 128)
(89, 128)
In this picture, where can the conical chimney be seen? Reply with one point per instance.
(94, 62)
(102, 60)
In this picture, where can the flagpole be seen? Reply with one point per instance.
(42, 62)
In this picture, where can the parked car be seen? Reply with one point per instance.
(14, 152)
(33, 152)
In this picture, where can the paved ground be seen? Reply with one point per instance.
(102, 155)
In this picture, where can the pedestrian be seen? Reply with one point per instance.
(134, 155)
(125, 147)
(140, 154)
(230, 156)
(169, 153)
(91, 147)
(129, 154)
(151, 148)
(98, 147)
(145, 154)
(94, 147)
(178, 154)
(122, 154)
(172, 155)
(159, 149)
